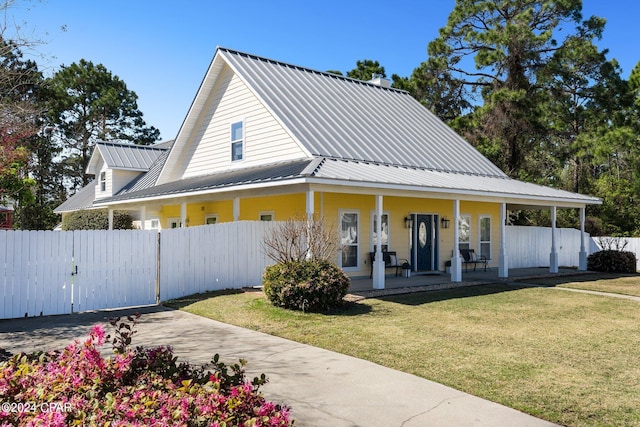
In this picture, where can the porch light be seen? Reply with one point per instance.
(444, 222)
(408, 222)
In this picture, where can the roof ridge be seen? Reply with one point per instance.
(132, 145)
(309, 70)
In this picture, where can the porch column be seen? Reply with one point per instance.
(110, 216)
(310, 209)
(503, 261)
(143, 216)
(183, 214)
(236, 208)
(378, 264)
(553, 256)
(456, 262)
(582, 266)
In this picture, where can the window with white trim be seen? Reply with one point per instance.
(211, 219)
(485, 236)
(237, 141)
(154, 224)
(464, 232)
(174, 222)
(266, 216)
(349, 240)
(385, 231)
(103, 181)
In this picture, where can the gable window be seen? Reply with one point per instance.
(211, 219)
(237, 139)
(385, 231)
(266, 216)
(103, 181)
(464, 226)
(485, 236)
(349, 240)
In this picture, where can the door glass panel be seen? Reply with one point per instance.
(422, 234)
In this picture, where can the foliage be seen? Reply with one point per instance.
(87, 103)
(78, 386)
(297, 239)
(612, 261)
(366, 70)
(18, 120)
(96, 219)
(305, 285)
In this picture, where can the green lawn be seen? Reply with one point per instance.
(628, 284)
(566, 357)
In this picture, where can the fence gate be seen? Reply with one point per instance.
(59, 272)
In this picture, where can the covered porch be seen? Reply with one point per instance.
(364, 287)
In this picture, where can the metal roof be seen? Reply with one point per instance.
(361, 174)
(82, 199)
(129, 156)
(270, 173)
(346, 118)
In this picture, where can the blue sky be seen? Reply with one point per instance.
(161, 49)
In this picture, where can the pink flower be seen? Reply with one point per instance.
(97, 333)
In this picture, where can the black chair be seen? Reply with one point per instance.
(470, 257)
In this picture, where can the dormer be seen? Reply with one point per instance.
(116, 164)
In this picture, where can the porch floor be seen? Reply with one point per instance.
(363, 287)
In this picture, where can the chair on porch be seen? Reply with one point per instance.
(469, 256)
(390, 261)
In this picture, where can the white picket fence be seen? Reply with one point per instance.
(58, 272)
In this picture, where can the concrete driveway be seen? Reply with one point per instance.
(322, 387)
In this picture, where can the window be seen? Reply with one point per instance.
(485, 236)
(385, 231)
(237, 138)
(211, 219)
(349, 240)
(464, 229)
(266, 216)
(154, 224)
(174, 222)
(103, 181)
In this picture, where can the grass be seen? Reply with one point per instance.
(628, 284)
(566, 357)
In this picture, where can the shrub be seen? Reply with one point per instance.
(305, 285)
(77, 386)
(96, 219)
(612, 261)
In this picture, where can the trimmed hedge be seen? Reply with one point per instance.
(316, 285)
(96, 219)
(611, 261)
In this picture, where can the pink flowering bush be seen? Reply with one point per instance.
(143, 387)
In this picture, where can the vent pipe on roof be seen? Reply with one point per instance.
(379, 80)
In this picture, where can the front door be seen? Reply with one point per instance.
(424, 242)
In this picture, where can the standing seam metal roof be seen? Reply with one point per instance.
(345, 118)
(129, 156)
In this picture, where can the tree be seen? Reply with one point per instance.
(509, 42)
(18, 120)
(87, 103)
(366, 70)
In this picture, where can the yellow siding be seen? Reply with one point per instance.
(329, 205)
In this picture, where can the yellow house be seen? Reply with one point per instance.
(266, 140)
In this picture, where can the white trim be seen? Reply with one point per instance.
(272, 214)
(211, 216)
(490, 241)
(174, 220)
(341, 212)
(409, 191)
(242, 140)
(372, 231)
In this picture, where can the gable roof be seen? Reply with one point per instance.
(339, 117)
(125, 156)
(120, 156)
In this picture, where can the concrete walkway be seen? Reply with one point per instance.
(322, 387)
